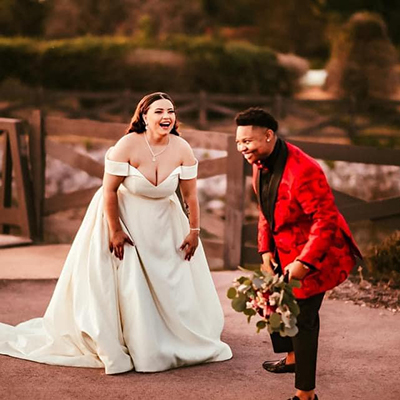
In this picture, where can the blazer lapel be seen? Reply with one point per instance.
(262, 204)
(258, 186)
(276, 178)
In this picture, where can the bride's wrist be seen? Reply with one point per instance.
(195, 230)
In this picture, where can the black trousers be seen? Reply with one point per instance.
(305, 343)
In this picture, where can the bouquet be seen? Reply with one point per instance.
(269, 296)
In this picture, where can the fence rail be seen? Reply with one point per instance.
(236, 245)
(351, 117)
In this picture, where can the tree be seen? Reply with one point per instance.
(341, 10)
(69, 18)
(230, 13)
(22, 17)
(295, 26)
(167, 16)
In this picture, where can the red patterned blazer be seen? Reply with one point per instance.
(304, 222)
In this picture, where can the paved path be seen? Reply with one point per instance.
(33, 262)
(358, 359)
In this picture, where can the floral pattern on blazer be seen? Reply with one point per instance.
(307, 225)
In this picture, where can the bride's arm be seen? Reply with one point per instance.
(111, 184)
(189, 193)
(110, 187)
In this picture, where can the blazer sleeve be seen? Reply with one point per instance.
(317, 202)
(264, 234)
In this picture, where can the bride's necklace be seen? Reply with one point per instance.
(151, 150)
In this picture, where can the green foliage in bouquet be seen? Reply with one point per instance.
(268, 296)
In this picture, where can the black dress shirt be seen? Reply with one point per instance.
(266, 171)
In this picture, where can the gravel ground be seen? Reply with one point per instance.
(364, 293)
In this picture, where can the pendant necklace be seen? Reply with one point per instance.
(151, 151)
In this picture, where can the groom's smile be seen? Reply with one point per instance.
(255, 143)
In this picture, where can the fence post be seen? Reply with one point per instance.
(352, 127)
(6, 178)
(234, 206)
(203, 123)
(278, 109)
(38, 164)
(127, 106)
(15, 167)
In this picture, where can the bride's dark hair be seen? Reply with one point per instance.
(137, 122)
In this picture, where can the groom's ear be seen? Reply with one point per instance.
(269, 134)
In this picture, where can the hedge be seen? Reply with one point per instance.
(383, 261)
(95, 64)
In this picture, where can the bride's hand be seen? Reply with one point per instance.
(117, 242)
(190, 244)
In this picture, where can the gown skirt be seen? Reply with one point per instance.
(152, 311)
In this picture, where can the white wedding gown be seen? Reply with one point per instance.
(152, 311)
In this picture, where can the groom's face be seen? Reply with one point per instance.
(254, 142)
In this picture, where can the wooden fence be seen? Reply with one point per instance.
(321, 115)
(237, 245)
(15, 210)
(44, 139)
(94, 105)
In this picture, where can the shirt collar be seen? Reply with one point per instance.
(269, 162)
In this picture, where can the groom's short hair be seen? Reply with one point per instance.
(256, 116)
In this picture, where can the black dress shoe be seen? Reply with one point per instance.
(278, 367)
(296, 398)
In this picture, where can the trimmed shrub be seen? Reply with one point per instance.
(232, 67)
(384, 261)
(149, 69)
(295, 67)
(363, 59)
(180, 64)
(19, 59)
(85, 63)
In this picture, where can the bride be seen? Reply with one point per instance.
(135, 291)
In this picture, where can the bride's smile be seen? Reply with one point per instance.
(160, 120)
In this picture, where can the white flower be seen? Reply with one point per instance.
(243, 288)
(274, 298)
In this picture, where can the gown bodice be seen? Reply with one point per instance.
(137, 184)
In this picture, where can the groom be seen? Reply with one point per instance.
(300, 233)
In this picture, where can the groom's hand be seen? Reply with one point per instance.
(269, 262)
(296, 270)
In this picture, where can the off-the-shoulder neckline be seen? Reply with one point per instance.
(141, 173)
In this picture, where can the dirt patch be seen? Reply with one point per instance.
(364, 293)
